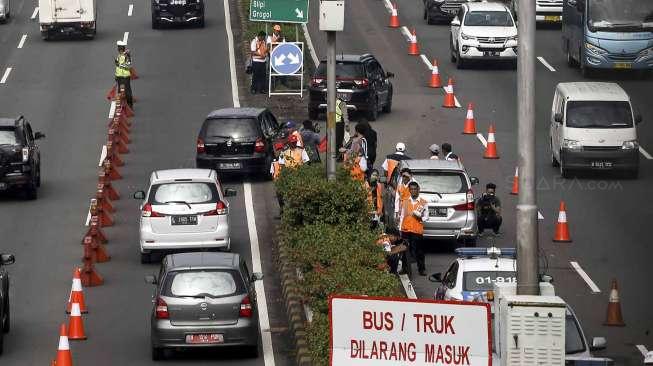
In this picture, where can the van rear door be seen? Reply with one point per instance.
(67, 9)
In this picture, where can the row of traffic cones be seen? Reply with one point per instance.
(74, 331)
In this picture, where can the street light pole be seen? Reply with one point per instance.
(527, 231)
(331, 105)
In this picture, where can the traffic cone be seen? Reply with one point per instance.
(515, 182)
(562, 227)
(435, 76)
(111, 94)
(76, 324)
(76, 293)
(394, 18)
(103, 200)
(103, 178)
(90, 277)
(119, 144)
(614, 317)
(449, 97)
(98, 251)
(96, 210)
(491, 148)
(470, 122)
(95, 231)
(413, 47)
(113, 155)
(64, 357)
(111, 170)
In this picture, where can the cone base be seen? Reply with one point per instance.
(490, 157)
(614, 324)
(393, 26)
(514, 193)
(449, 106)
(85, 311)
(77, 338)
(470, 133)
(562, 241)
(435, 86)
(413, 53)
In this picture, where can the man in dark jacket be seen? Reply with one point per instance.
(370, 136)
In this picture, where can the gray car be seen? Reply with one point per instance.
(447, 188)
(204, 300)
(5, 10)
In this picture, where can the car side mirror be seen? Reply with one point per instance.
(7, 259)
(230, 192)
(139, 195)
(455, 22)
(151, 279)
(436, 277)
(256, 276)
(638, 119)
(546, 278)
(557, 117)
(598, 343)
(473, 180)
(389, 74)
(39, 135)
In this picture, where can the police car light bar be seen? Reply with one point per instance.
(487, 252)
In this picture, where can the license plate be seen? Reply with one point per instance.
(229, 165)
(601, 164)
(623, 65)
(204, 338)
(3, 186)
(552, 18)
(490, 53)
(184, 220)
(344, 96)
(437, 211)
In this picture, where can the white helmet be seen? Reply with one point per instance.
(401, 147)
(121, 44)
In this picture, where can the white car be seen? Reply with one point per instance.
(483, 31)
(474, 273)
(183, 209)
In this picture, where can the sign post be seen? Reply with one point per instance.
(286, 61)
(282, 11)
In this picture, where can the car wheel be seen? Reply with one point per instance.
(425, 15)
(452, 49)
(373, 111)
(460, 63)
(158, 354)
(200, 24)
(570, 59)
(31, 192)
(1, 342)
(387, 108)
(429, 21)
(554, 161)
(45, 36)
(155, 23)
(252, 351)
(564, 171)
(633, 173)
(38, 177)
(6, 324)
(313, 113)
(146, 258)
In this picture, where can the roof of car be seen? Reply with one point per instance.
(8, 122)
(487, 264)
(235, 113)
(202, 259)
(486, 6)
(351, 57)
(173, 174)
(432, 164)
(593, 91)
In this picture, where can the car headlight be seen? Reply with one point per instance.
(513, 38)
(467, 37)
(647, 53)
(630, 145)
(594, 49)
(571, 144)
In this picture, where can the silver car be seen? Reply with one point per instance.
(5, 10)
(447, 188)
(204, 299)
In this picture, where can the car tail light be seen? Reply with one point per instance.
(468, 205)
(245, 308)
(317, 81)
(220, 209)
(259, 146)
(161, 309)
(361, 83)
(148, 212)
(200, 146)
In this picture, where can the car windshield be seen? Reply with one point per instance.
(8, 137)
(573, 339)
(485, 280)
(630, 15)
(231, 128)
(344, 70)
(440, 182)
(488, 19)
(201, 283)
(599, 114)
(183, 193)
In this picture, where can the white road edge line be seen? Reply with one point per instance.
(388, 5)
(125, 37)
(595, 289)
(645, 153)
(426, 61)
(307, 35)
(22, 41)
(546, 64)
(408, 286)
(482, 139)
(103, 155)
(131, 10)
(456, 102)
(642, 349)
(406, 33)
(232, 58)
(5, 75)
(88, 216)
(35, 13)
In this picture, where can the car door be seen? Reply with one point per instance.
(33, 148)
(556, 127)
(378, 79)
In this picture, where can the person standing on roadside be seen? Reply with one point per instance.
(356, 156)
(342, 118)
(259, 51)
(413, 214)
(371, 137)
(447, 151)
(435, 152)
(123, 71)
(391, 161)
(374, 192)
(402, 192)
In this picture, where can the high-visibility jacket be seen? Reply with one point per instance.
(123, 65)
(293, 157)
(356, 169)
(377, 204)
(401, 195)
(338, 111)
(275, 170)
(391, 162)
(410, 223)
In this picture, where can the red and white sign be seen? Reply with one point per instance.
(368, 331)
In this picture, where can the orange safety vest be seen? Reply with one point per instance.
(276, 170)
(410, 223)
(392, 164)
(404, 193)
(293, 157)
(379, 198)
(356, 172)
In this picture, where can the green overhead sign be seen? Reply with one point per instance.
(282, 11)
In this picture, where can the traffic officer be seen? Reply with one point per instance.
(123, 72)
(435, 152)
(402, 192)
(294, 155)
(342, 118)
(414, 211)
(391, 161)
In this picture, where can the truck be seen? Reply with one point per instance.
(608, 34)
(67, 17)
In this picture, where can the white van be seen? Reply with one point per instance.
(67, 17)
(593, 127)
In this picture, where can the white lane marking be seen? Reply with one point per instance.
(408, 286)
(645, 153)
(482, 139)
(407, 34)
(112, 110)
(22, 41)
(88, 216)
(311, 48)
(539, 216)
(388, 5)
(232, 58)
(35, 13)
(426, 61)
(455, 99)
(131, 10)
(595, 289)
(642, 349)
(103, 155)
(546, 64)
(125, 37)
(5, 75)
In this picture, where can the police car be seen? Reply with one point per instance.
(474, 273)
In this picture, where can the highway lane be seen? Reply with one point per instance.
(60, 87)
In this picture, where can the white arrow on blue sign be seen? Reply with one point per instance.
(286, 58)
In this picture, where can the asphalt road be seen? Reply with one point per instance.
(60, 87)
(608, 215)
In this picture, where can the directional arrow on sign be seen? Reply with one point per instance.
(294, 59)
(278, 61)
(300, 13)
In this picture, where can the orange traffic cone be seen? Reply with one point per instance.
(64, 357)
(491, 148)
(515, 182)
(413, 47)
(614, 317)
(90, 276)
(394, 19)
(76, 293)
(111, 170)
(112, 93)
(76, 325)
(470, 122)
(435, 76)
(449, 97)
(562, 227)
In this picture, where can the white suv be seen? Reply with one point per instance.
(483, 31)
(183, 209)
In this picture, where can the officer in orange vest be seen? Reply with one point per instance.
(414, 212)
(375, 196)
(402, 193)
(294, 155)
(391, 161)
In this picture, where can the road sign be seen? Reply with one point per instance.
(286, 58)
(368, 331)
(283, 11)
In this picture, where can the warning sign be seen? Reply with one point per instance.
(368, 331)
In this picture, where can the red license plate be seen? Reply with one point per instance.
(204, 338)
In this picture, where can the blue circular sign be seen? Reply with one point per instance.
(286, 58)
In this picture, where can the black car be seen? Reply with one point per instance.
(20, 159)
(5, 259)
(441, 10)
(238, 140)
(177, 12)
(361, 83)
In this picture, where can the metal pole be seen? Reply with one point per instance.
(331, 105)
(527, 232)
